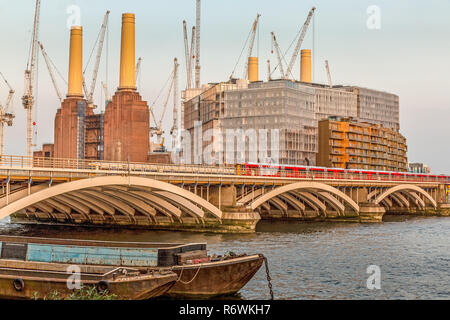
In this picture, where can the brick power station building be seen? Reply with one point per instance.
(122, 132)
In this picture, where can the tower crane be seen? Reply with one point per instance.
(277, 50)
(157, 129)
(174, 131)
(6, 115)
(28, 99)
(251, 36)
(197, 44)
(188, 56)
(299, 43)
(49, 64)
(328, 74)
(138, 68)
(101, 39)
(189, 53)
(107, 94)
(252, 43)
(192, 55)
(268, 71)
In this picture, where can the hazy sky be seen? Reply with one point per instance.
(409, 55)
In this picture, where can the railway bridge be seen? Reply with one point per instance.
(200, 198)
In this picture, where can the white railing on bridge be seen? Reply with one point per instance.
(23, 162)
(34, 163)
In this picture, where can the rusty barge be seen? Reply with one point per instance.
(144, 269)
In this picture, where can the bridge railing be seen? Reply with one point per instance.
(323, 174)
(24, 162)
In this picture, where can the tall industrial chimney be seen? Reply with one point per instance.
(253, 69)
(75, 86)
(305, 66)
(127, 53)
(126, 133)
(70, 118)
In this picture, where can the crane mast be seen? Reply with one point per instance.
(166, 102)
(252, 43)
(107, 95)
(50, 71)
(268, 71)
(187, 56)
(158, 130)
(174, 131)
(328, 74)
(192, 54)
(90, 94)
(28, 99)
(138, 68)
(277, 50)
(10, 95)
(299, 43)
(197, 45)
(6, 116)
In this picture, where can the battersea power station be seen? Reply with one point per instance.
(122, 132)
(337, 126)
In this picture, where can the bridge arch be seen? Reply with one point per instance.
(148, 184)
(306, 186)
(405, 188)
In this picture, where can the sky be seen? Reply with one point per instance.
(406, 51)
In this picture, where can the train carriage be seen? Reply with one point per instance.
(305, 172)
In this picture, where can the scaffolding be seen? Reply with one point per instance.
(94, 137)
(292, 108)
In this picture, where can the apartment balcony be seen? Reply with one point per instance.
(337, 136)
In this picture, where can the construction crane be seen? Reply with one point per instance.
(157, 129)
(189, 53)
(328, 74)
(277, 50)
(252, 43)
(251, 36)
(299, 43)
(107, 94)
(49, 64)
(192, 53)
(174, 131)
(101, 39)
(197, 45)
(188, 56)
(28, 99)
(138, 68)
(6, 115)
(268, 71)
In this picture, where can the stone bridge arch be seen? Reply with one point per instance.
(406, 188)
(315, 188)
(126, 194)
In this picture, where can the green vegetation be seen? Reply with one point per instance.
(84, 293)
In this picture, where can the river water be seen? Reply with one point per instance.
(317, 260)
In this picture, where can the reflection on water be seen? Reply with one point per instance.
(317, 260)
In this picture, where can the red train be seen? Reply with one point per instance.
(292, 171)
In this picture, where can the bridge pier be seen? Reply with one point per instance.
(444, 209)
(370, 212)
(239, 220)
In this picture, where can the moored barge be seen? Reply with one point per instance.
(33, 269)
(197, 275)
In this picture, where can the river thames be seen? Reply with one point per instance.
(316, 260)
